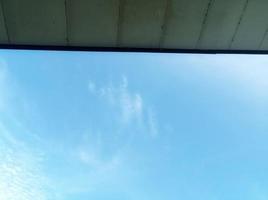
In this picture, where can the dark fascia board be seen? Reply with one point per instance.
(128, 49)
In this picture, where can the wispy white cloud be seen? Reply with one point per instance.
(103, 168)
(100, 151)
(21, 175)
(95, 161)
(91, 152)
(3, 85)
(130, 105)
(152, 123)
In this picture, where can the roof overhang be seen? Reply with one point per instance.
(189, 26)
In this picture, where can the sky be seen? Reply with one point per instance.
(133, 126)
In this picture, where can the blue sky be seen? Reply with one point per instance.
(85, 125)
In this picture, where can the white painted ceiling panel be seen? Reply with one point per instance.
(36, 22)
(253, 26)
(92, 23)
(184, 23)
(142, 23)
(159, 24)
(264, 43)
(3, 31)
(221, 23)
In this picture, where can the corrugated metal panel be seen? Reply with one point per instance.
(35, 21)
(92, 22)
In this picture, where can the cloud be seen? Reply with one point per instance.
(104, 153)
(91, 152)
(103, 168)
(95, 161)
(130, 105)
(152, 122)
(21, 174)
(3, 85)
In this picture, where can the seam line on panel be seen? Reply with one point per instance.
(163, 29)
(5, 21)
(238, 24)
(120, 22)
(66, 22)
(203, 26)
(263, 38)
